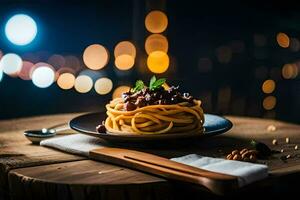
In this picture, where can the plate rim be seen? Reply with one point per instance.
(151, 136)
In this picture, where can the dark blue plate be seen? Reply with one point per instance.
(87, 123)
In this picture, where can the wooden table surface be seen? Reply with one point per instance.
(33, 172)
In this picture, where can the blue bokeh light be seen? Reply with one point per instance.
(21, 29)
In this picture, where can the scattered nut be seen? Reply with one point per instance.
(274, 142)
(234, 152)
(282, 150)
(243, 151)
(229, 157)
(287, 140)
(271, 128)
(243, 155)
(288, 156)
(296, 147)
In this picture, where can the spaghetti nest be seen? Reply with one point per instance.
(154, 119)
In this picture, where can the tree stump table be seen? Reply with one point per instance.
(33, 172)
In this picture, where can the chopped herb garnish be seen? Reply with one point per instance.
(139, 85)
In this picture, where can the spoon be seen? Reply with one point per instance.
(36, 136)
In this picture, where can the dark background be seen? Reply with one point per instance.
(198, 31)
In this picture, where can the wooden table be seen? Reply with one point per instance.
(33, 172)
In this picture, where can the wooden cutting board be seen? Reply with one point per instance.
(216, 182)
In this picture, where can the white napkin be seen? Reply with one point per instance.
(246, 172)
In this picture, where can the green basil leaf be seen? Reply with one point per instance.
(152, 81)
(158, 83)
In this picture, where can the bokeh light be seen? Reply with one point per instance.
(103, 85)
(26, 70)
(269, 102)
(66, 81)
(11, 64)
(120, 90)
(125, 47)
(1, 74)
(43, 76)
(289, 71)
(83, 84)
(124, 62)
(72, 62)
(158, 62)
(268, 86)
(95, 56)
(57, 61)
(20, 29)
(156, 21)
(156, 42)
(283, 40)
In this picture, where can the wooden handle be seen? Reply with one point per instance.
(216, 182)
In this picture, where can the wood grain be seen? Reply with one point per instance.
(31, 167)
(85, 180)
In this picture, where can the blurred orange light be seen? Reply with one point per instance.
(124, 62)
(283, 40)
(125, 47)
(156, 42)
(158, 62)
(66, 81)
(289, 71)
(120, 90)
(294, 44)
(25, 71)
(269, 102)
(83, 84)
(268, 86)
(103, 86)
(156, 21)
(95, 56)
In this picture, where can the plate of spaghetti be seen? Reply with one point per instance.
(153, 112)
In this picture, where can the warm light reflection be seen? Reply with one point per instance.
(26, 70)
(289, 71)
(124, 62)
(269, 102)
(268, 86)
(283, 40)
(125, 47)
(156, 42)
(95, 56)
(158, 62)
(156, 22)
(66, 81)
(83, 84)
(11, 64)
(43, 76)
(103, 86)
(120, 90)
